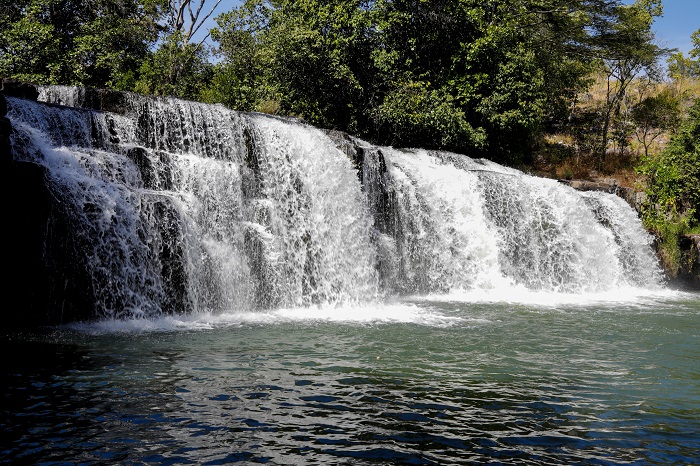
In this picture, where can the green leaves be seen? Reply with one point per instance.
(414, 114)
(26, 44)
(673, 189)
(673, 178)
(480, 77)
(94, 43)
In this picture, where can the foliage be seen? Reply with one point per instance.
(237, 80)
(682, 67)
(486, 78)
(414, 114)
(478, 77)
(176, 69)
(98, 43)
(673, 179)
(629, 51)
(655, 115)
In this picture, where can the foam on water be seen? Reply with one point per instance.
(519, 295)
(376, 314)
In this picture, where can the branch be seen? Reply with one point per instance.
(196, 23)
(179, 6)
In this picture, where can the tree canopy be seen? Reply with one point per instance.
(99, 43)
(482, 77)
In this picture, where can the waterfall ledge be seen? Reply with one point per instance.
(50, 281)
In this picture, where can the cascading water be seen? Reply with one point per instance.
(184, 207)
(459, 224)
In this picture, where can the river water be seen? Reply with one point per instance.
(451, 379)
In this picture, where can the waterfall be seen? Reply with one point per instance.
(179, 207)
(458, 224)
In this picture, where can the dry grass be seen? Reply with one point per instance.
(562, 157)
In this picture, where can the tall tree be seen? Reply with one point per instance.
(483, 77)
(187, 18)
(627, 49)
(681, 67)
(656, 115)
(672, 206)
(239, 79)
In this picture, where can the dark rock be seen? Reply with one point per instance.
(5, 132)
(688, 276)
(104, 100)
(584, 185)
(633, 197)
(45, 291)
(172, 258)
(345, 143)
(16, 88)
(139, 156)
(252, 184)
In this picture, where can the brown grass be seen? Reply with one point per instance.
(560, 157)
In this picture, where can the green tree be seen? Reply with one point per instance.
(179, 66)
(175, 69)
(415, 99)
(681, 67)
(674, 176)
(99, 43)
(311, 57)
(672, 207)
(484, 78)
(628, 49)
(238, 78)
(654, 116)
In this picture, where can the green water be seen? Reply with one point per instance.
(424, 381)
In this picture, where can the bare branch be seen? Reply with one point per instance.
(177, 13)
(199, 24)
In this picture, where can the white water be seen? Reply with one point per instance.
(186, 208)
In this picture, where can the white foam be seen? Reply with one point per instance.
(397, 313)
(520, 295)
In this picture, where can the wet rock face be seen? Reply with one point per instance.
(5, 131)
(20, 89)
(51, 279)
(689, 273)
(45, 292)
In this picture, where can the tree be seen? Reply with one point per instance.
(627, 49)
(238, 78)
(182, 18)
(681, 67)
(654, 116)
(484, 78)
(174, 69)
(311, 57)
(695, 40)
(672, 206)
(674, 176)
(98, 43)
(179, 66)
